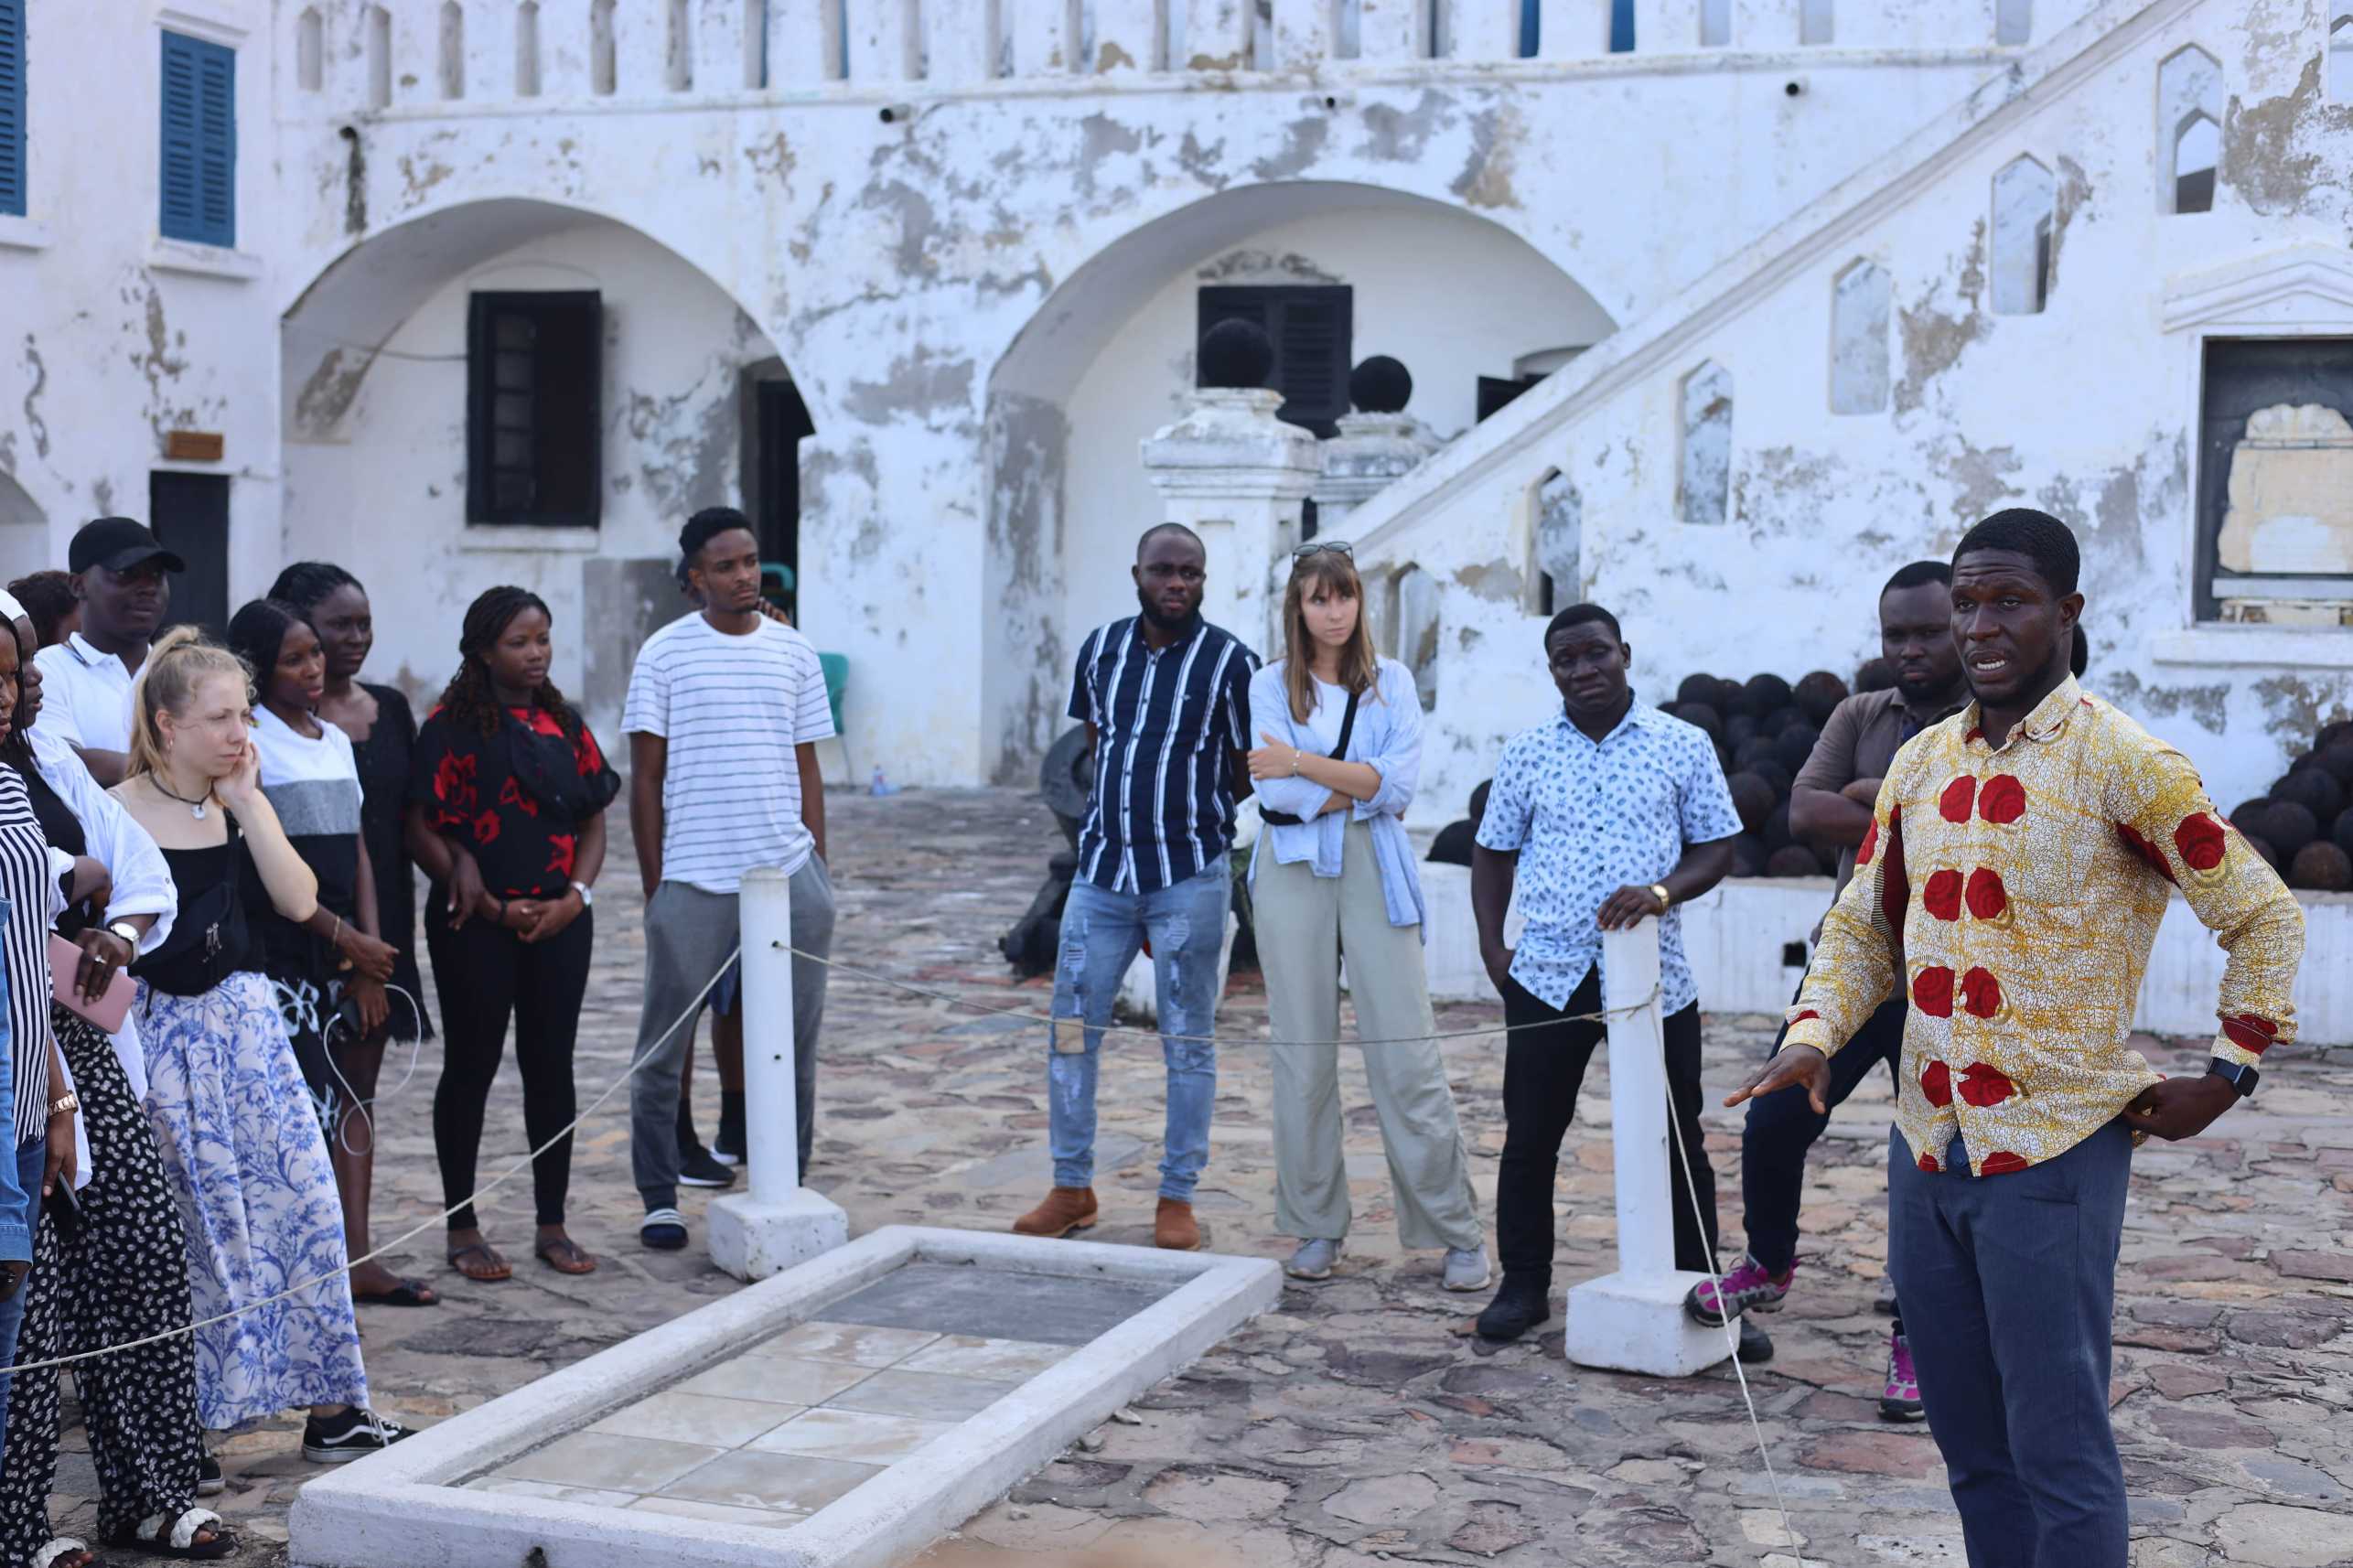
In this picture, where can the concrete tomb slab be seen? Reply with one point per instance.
(842, 1413)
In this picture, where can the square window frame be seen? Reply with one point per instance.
(482, 305)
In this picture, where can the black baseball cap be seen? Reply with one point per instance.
(118, 544)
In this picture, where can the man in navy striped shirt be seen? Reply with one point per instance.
(1166, 699)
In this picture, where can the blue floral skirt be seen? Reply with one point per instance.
(241, 1144)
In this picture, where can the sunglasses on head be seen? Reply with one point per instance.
(1318, 546)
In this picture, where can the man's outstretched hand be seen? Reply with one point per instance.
(2180, 1107)
(1791, 1067)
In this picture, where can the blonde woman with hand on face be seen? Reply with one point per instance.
(234, 1122)
(1333, 876)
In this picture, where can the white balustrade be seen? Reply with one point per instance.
(1129, 36)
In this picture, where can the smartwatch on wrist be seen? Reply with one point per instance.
(2237, 1075)
(587, 899)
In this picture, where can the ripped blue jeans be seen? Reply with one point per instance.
(1102, 934)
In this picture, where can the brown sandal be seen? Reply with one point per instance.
(490, 1261)
(554, 1254)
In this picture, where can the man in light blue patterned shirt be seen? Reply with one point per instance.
(1614, 812)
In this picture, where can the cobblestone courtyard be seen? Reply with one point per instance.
(1359, 1425)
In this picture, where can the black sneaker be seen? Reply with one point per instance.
(1516, 1309)
(209, 1480)
(1755, 1345)
(354, 1434)
(697, 1168)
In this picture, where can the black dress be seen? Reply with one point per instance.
(384, 759)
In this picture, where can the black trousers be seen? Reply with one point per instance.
(1542, 1068)
(484, 975)
(1782, 1126)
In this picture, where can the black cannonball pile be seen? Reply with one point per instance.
(1764, 729)
(2304, 825)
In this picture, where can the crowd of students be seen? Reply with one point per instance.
(208, 921)
(2011, 843)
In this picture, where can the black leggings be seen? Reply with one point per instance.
(484, 973)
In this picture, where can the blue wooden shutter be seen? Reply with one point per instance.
(12, 107)
(198, 173)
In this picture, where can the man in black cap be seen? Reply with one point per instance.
(120, 577)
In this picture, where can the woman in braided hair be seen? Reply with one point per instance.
(508, 794)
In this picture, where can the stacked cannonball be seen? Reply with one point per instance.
(1764, 729)
(2303, 826)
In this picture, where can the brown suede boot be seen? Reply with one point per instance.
(1174, 1229)
(1066, 1209)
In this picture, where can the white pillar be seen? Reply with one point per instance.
(1368, 454)
(778, 1222)
(1632, 1320)
(1235, 475)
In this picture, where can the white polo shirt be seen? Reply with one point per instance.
(85, 695)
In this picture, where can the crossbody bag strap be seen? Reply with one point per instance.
(1348, 728)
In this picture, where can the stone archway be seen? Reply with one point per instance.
(385, 433)
(1107, 357)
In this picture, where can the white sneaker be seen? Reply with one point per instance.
(1467, 1269)
(1314, 1260)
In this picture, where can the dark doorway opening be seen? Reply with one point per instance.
(189, 513)
(779, 421)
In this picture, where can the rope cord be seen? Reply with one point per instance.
(693, 1008)
(1604, 1016)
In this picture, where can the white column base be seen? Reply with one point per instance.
(1635, 1324)
(752, 1239)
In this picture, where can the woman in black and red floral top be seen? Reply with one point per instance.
(506, 817)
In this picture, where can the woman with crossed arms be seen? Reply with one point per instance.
(1332, 874)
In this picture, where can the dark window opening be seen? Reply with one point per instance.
(1312, 328)
(533, 375)
(779, 422)
(1496, 393)
(189, 513)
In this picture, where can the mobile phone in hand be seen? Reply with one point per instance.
(64, 1210)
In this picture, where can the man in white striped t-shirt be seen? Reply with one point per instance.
(725, 711)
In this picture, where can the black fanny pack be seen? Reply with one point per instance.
(1339, 754)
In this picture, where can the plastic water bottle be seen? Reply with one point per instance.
(881, 786)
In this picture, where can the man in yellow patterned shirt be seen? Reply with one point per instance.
(2020, 857)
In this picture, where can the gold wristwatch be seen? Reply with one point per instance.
(1665, 899)
(66, 1106)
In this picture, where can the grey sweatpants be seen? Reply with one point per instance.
(690, 935)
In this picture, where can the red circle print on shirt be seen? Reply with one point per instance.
(1980, 992)
(2145, 850)
(1936, 1083)
(2000, 1162)
(1984, 1084)
(1932, 992)
(1870, 845)
(1929, 1163)
(1941, 897)
(2250, 1032)
(1987, 898)
(2200, 840)
(2002, 800)
(1959, 796)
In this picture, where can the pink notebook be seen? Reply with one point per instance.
(65, 965)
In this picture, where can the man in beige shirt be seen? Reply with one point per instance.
(1830, 802)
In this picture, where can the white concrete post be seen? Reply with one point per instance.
(778, 1222)
(1632, 1320)
(1235, 475)
(1370, 451)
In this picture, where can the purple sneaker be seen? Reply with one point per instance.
(1747, 1284)
(1902, 1400)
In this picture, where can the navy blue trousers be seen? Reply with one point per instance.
(2009, 1290)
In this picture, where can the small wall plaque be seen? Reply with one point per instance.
(194, 445)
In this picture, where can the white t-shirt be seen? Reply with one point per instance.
(1324, 724)
(732, 710)
(85, 695)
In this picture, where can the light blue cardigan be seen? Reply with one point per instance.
(1387, 738)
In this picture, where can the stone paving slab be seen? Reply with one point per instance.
(946, 1299)
(1357, 1426)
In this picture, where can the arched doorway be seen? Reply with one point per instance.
(1108, 359)
(521, 391)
